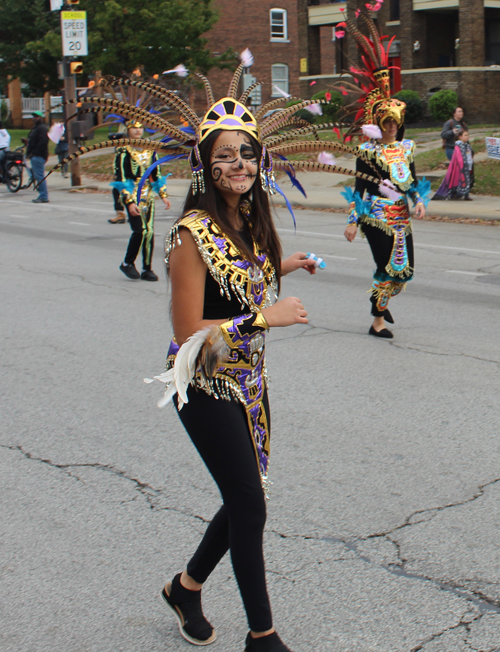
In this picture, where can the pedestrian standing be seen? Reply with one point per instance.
(38, 152)
(451, 130)
(61, 150)
(4, 147)
(459, 177)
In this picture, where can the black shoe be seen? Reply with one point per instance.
(386, 333)
(186, 607)
(269, 643)
(38, 200)
(149, 275)
(387, 316)
(130, 271)
(467, 198)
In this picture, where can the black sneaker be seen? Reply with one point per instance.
(130, 271)
(186, 607)
(149, 275)
(269, 643)
(38, 200)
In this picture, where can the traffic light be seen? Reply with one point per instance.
(76, 67)
(72, 2)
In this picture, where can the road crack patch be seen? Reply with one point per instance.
(143, 488)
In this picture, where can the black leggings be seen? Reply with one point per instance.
(219, 430)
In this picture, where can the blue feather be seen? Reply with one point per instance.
(288, 205)
(154, 165)
(423, 187)
(362, 207)
(292, 175)
(127, 185)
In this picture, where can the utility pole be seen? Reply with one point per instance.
(74, 44)
(70, 94)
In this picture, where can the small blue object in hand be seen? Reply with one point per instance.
(318, 262)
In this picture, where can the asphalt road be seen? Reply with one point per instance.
(383, 524)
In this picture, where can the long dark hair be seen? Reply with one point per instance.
(260, 224)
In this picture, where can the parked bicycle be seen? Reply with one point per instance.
(15, 169)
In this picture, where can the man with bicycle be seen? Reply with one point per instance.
(38, 152)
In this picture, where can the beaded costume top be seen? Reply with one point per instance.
(242, 374)
(394, 158)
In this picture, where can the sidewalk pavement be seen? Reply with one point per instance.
(323, 192)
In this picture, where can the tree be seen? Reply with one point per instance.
(30, 43)
(154, 35)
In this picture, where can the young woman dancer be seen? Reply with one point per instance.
(224, 262)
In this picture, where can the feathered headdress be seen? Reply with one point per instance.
(373, 104)
(277, 129)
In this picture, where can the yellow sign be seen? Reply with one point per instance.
(73, 15)
(303, 65)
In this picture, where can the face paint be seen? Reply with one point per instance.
(233, 163)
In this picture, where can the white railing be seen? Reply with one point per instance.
(31, 104)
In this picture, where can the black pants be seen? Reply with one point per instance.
(117, 200)
(219, 430)
(142, 236)
(381, 245)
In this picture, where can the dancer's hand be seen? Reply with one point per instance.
(167, 203)
(297, 261)
(133, 210)
(286, 312)
(350, 232)
(420, 211)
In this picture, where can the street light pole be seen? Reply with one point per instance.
(70, 94)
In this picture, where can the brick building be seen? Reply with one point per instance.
(438, 44)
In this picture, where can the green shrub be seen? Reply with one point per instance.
(442, 104)
(414, 105)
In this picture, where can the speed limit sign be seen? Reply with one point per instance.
(74, 33)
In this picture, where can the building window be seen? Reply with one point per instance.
(279, 75)
(279, 27)
(394, 10)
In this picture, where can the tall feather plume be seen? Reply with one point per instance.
(270, 105)
(314, 166)
(145, 143)
(279, 118)
(375, 38)
(208, 89)
(243, 99)
(233, 86)
(170, 97)
(128, 110)
(246, 59)
(272, 141)
(312, 146)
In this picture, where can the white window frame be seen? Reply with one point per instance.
(284, 16)
(281, 82)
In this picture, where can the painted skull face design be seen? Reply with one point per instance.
(233, 163)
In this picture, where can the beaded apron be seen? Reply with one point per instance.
(243, 376)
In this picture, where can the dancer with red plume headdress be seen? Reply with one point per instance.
(383, 215)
